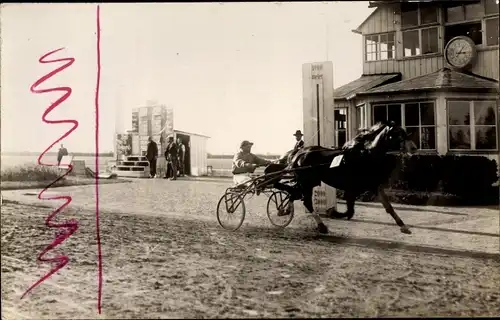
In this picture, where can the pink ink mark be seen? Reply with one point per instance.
(97, 223)
(66, 229)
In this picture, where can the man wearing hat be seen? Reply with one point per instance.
(245, 162)
(300, 143)
(171, 157)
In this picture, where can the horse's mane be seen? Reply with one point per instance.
(368, 138)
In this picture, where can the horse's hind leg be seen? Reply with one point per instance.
(322, 228)
(390, 210)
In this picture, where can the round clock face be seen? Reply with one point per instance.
(460, 52)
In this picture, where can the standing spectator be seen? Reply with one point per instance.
(62, 152)
(300, 143)
(152, 155)
(171, 157)
(181, 152)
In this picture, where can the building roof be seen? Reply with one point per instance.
(190, 133)
(444, 78)
(364, 83)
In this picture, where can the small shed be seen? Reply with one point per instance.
(195, 163)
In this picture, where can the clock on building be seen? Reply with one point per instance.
(460, 52)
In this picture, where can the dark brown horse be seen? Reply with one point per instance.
(361, 165)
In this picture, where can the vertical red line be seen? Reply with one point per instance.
(98, 234)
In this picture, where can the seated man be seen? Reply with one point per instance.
(245, 162)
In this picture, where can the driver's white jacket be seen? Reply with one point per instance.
(242, 162)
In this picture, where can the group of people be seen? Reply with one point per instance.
(174, 155)
(245, 162)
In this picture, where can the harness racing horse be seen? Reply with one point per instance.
(362, 165)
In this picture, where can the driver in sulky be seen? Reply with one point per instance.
(245, 163)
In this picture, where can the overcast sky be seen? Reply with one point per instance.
(231, 71)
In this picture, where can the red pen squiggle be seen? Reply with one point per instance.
(65, 229)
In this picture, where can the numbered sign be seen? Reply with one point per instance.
(336, 161)
(324, 197)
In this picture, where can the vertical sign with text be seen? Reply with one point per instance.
(318, 120)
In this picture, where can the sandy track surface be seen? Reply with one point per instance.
(175, 266)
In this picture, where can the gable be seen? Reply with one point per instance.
(380, 20)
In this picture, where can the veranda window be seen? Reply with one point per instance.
(418, 119)
(472, 125)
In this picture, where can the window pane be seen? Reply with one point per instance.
(428, 14)
(484, 112)
(459, 137)
(409, 14)
(379, 113)
(390, 37)
(340, 119)
(394, 113)
(429, 40)
(473, 11)
(342, 137)
(486, 137)
(414, 134)
(427, 113)
(455, 14)
(428, 138)
(359, 119)
(458, 113)
(411, 114)
(492, 32)
(491, 6)
(472, 30)
(411, 43)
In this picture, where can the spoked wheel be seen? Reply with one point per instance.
(280, 209)
(231, 211)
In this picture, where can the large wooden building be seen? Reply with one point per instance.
(432, 67)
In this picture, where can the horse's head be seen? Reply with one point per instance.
(392, 137)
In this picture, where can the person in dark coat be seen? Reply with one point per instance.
(61, 153)
(152, 155)
(171, 157)
(181, 152)
(300, 143)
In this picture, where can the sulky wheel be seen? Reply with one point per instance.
(231, 211)
(280, 209)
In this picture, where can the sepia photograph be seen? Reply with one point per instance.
(234, 160)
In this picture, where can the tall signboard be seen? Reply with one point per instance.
(318, 113)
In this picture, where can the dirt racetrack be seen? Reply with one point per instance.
(181, 265)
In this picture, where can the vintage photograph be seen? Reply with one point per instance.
(215, 160)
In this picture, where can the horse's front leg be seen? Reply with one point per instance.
(308, 192)
(350, 200)
(390, 210)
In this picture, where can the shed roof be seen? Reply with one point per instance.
(444, 78)
(191, 134)
(364, 83)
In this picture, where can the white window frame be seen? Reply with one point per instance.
(472, 125)
(420, 41)
(361, 123)
(378, 47)
(403, 120)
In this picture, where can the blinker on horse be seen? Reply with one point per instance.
(361, 165)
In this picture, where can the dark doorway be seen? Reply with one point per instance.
(187, 157)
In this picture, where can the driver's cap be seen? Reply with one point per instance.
(245, 143)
